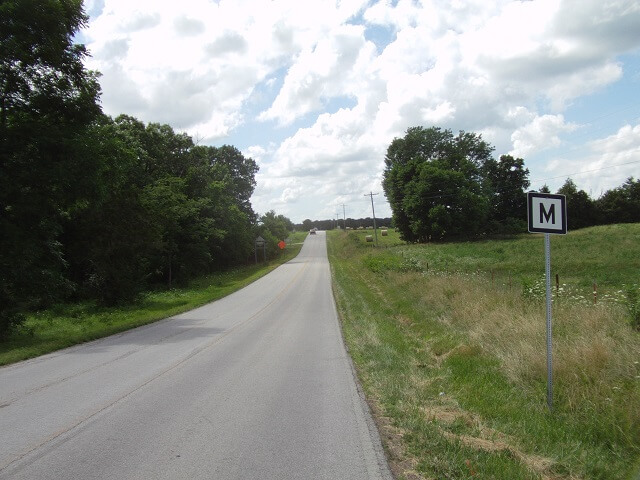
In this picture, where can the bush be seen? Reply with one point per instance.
(9, 321)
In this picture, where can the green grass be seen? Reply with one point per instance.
(454, 364)
(65, 325)
(608, 255)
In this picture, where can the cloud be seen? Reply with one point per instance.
(606, 163)
(230, 42)
(541, 133)
(326, 91)
(187, 26)
(140, 21)
(321, 73)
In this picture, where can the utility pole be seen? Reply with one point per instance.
(344, 218)
(375, 231)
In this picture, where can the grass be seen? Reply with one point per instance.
(454, 364)
(65, 325)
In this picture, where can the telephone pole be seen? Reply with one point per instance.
(344, 218)
(375, 231)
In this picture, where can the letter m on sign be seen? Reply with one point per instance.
(546, 213)
(549, 216)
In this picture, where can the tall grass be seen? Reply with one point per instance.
(455, 364)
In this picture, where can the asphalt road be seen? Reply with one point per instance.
(257, 385)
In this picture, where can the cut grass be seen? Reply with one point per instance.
(65, 325)
(455, 367)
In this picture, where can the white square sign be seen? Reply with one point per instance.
(547, 213)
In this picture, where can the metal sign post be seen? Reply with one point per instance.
(547, 214)
(547, 271)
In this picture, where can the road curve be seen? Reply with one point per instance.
(257, 385)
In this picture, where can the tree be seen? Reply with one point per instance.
(581, 210)
(106, 260)
(622, 204)
(47, 102)
(241, 172)
(505, 184)
(432, 180)
(274, 228)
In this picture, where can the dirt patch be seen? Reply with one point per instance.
(538, 464)
(449, 415)
(403, 320)
(489, 440)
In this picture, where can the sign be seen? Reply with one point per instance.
(547, 213)
(260, 243)
(281, 244)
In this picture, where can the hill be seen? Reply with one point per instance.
(449, 343)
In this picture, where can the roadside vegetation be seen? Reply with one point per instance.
(449, 343)
(67, 324)
(102, 209)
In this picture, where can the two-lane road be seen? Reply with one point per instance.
(257, 385)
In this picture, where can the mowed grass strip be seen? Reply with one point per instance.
(454, 365)
(69, 324)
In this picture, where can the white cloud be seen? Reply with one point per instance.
(331, 69)
(604, 164)
(541, 133)
(506, 69)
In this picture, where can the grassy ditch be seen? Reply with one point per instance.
(65, 325)
(449, 343)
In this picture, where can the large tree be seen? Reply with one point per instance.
(165, 211)
(505, 184)
(432, 179)
(48, 100)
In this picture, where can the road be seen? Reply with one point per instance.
(257, 385)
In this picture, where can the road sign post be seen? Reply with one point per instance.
(260, 243)
(547, 213)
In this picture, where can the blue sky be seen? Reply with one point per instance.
(316, 91)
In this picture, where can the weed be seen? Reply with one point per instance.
(457, 342)
(633, 305)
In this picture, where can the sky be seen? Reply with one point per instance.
(315, 91)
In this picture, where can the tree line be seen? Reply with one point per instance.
(353, 223)
(442, 186)
(99, 207)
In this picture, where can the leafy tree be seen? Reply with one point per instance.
(47, 102)
(241, 172)
(274, 228)
(179, 200)
(108, 244)
(432, 180)
(581, 210)
(622, 204)
(228, 178)
(278, 225)
(505, 184)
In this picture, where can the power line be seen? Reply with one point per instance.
(585, 171)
